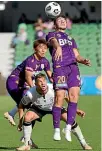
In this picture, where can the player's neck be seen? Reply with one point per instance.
(60, 30)
(37, 57)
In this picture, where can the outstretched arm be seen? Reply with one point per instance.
(80, 59)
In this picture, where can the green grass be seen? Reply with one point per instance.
(43, 132)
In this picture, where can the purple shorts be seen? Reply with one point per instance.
(13, 88)
(66, 77)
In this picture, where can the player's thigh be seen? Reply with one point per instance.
(30, 116)
(13, 89)
(59, 97)
(74, 94)
(12, 83)
(74, 83)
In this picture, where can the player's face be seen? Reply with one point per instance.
(41, 84)
(61, 23)
(41, 50)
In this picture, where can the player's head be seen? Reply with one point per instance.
(40, 47)
(41, 82)
(60, 23)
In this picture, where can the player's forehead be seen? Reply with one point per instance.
(60, 18)
(41, 79)
(42, 45)
(39, 43)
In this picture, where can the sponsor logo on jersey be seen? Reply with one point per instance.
(42, 66)
(64, 42)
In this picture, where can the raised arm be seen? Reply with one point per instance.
(52, 41)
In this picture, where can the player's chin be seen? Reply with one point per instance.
(43, 55)
(63, 28)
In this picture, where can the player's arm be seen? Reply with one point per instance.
(80, 59)
(28, 78)
(48, 70)
(52, 41)
(56, 46)
(49, 74)
(21, 113)
(80, 113)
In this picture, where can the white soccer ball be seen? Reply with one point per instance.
(52, 9)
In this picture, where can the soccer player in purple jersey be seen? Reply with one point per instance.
(21, 78)
(66, 74)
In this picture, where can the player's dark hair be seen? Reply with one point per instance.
(58, 17)
(40, 75)
(39, 41)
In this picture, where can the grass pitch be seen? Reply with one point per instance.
(43, 132)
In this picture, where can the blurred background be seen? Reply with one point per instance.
(23, 22)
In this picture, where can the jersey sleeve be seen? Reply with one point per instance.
(47, 66)
(50, 36)
(74, 44)
(29, 65)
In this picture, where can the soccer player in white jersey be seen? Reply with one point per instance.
(41, 99)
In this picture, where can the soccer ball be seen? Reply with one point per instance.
(52, 9)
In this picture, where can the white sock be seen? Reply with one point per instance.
(57, 129)
(27, 130)
(68, 127)
(13, 111)
(78, 133)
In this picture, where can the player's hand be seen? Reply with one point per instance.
(58, 54)
(81, 113)
(19, 127)
(87, 62)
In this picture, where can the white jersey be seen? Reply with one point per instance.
(42, 102)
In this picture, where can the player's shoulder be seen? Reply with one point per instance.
(32, 90)
(69, 36)
(30, 58)
(51, 33)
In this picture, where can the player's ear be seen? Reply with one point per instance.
(35, 50)
(54, 26)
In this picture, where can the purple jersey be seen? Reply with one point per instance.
(30, 64)
(67, 44)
